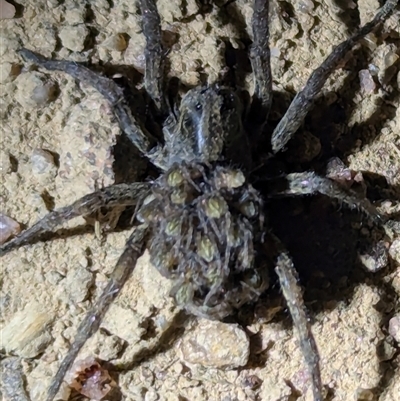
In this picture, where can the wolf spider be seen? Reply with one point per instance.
(201, 219)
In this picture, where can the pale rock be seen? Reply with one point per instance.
(42, 162)
(394, 328)
(8, 228)
(74, 37)
(34, 90)
(76, 285)
(215, 344)
(124, 323)
(7, 10)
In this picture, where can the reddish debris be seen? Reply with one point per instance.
(339, 172)
(90, 379)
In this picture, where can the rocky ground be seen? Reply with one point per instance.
(57, 145)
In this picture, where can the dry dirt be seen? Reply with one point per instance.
(47, 287)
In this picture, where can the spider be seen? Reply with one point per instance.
(202, 220)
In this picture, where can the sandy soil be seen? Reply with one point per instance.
(47, 287)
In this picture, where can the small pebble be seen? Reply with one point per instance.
(8, 228)
(366, 81)
(109, 347)
(365, 395)
(115, 42)
(77, 284)
(53, 277)
(394, 328)
(215, 344)
(390, 59)
(76, 14)
(373, 69)
(125, 323)
(306, 6)
(394, 250)
(7, 10)
(74, 37)
(377, 258)
(34, 89)
(371, 41)
(252, 382)
(151, 395)
(386, 350)
(396, 282)
(275, 52)
(336, 170)
(44, 94)
(147, 376)
(42, 161)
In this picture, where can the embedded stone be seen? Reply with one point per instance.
(42, 162)
(8, 228)
(74, 37)
(115, 42)
(215, 344)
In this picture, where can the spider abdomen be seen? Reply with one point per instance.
(205, 221)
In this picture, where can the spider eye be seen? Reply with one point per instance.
(198, 106)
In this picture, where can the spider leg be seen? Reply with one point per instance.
(303, 101)
(154, 55)
(140, 137)
(114, 195)
(309, 183)
(122, 271)
(291, 290)
(260, 62)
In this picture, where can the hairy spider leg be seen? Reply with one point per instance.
(289, 282)
(261, 65)
(303, 101)
(309, 183)
(154, 82)
(134, 248)
(139, 136)
(114, 195)
(154, 79)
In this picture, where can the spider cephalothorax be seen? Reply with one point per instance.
(202, 219)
